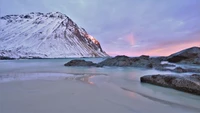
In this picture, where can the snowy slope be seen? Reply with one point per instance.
(51, 35)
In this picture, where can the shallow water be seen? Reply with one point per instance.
(121, 79)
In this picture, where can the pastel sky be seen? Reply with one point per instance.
(130, 27)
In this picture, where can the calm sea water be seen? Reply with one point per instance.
(125, 78)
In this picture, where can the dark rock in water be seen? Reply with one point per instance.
(121, 57)
(195, 76)
(176, 59)
(80, 63)
(161, 58)
(146, 62)
(144, 57)
(168, 65)
(191, 61)
(190, 84)
(124, 61)
(31, 58)
(179, 70)
(6, 58)
(120, 61)
(160, 68)
(36, 58)
(188, 56)
(194, 70)
(185, 70)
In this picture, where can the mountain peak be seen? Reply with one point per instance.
(33, 15)
(49, 35)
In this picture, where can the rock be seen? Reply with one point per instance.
(161, 80)
(176, 59)
(80, 63)
(195, 76)
(179, 70)
(190, 84)
(120, 61)
(194, 70)
(6, 58)
(188, 56)
(191, 61)
(27, 17)
(160, 68)
(161, 58)
(121, 57)
(144, 57)
(124, 61)
(168, 65)
(185, 70)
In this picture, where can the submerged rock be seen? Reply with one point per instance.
(179, 69)
(80, 63)
(168, 65)
(195, 76)
(190, 84)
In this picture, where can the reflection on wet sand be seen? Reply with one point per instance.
(86, 79)
(131, 92)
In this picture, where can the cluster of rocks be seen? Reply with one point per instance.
(124, 61)
(142, 62)
(189, 56)
(120, 61)
(190, 84)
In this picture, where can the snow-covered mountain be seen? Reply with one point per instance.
(51, 35)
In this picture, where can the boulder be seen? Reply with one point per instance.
(190, 84)
(80, 63)
(188, 56)
(120, 61)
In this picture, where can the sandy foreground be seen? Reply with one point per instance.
(77, 96)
